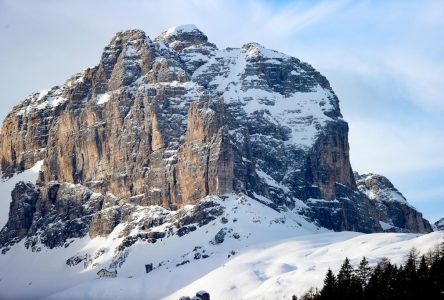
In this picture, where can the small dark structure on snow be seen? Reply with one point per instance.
(148, 268)
(105, 273)
(201, 295)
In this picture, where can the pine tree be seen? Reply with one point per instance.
(346, 272)
(412, 263)
(379, 284)
(410, 274)
(364, 272)
(424, 286)
(347, 283)
(419, 278)
(423, 269)
(329, 290)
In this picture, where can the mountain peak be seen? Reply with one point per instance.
(129, 35)
(183, 36)
(186, 28)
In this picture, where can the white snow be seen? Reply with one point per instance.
(302, 112)
(383, 194)
(51, 98)
(7, 185)
(276, 255)
(43, 94)
(270, 181)
(182, 28)
(56, 101)
(386, 226)
(103, 98)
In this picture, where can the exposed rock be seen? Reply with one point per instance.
(205, 160)
(148, 268)
(185, 230)
(203, 295)
(183, 263)
(220, 236)
(21, 212)
(439, 225)
(75, 260)
(392, 207)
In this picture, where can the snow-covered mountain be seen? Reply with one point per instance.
(180, 158)
(439, 225)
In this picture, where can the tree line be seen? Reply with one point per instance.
(419, 277)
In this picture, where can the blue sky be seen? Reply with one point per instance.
(384, 59)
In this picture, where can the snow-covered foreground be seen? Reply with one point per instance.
(273, 270)
(264, 255)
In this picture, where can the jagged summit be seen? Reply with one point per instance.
(181, 37)
(186, 28)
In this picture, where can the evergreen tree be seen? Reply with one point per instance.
(420, 277)
(364, 272)
(411, 263)
(329, 291)
(346, 272)
(347, 283)
(410, 274)
(424, 287)
(381, 280)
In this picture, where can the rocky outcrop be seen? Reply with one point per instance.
(22, 208)
(166, 122)
(205, 160)
(25, 131)
(439, 225)
(393, 210)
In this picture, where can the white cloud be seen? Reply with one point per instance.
(422, 78)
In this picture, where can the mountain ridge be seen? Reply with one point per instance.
(169, 121)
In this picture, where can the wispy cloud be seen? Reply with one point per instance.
(296, 16)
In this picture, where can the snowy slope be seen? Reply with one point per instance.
(270, 270)
(275, 255)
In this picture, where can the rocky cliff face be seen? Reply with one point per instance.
(439, 225)
(393, 211)
(166, 122)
